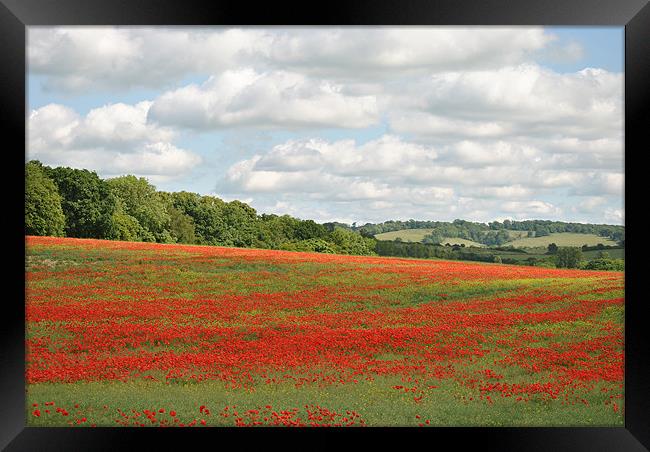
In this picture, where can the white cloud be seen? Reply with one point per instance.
(615, 215)
(434, 126)
(79, 58)
(524, 100)
(471, 153)
(536, 207)
(75, 59)
(113, 139)
(313, 165)
(270, 99)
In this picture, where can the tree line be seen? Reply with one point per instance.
(78, 203)
(70, 202)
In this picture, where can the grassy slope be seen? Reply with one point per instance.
(416, 235)
(457, 241)
(407, 235)
(519, 239)
(562, 239)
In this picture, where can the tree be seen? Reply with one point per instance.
(181, 226)
(606, 264)
(568, 257)
(552, 248)
(124, 226)
(313, 245)
(541, 231)
(43, 212)
(497, 259)
(141, 201)
(352, 243)
(434, 238)
(86, 202)
(308, 229)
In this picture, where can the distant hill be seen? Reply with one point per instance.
(516, 239)
(517, 233)
(562, 239)
(417, 235)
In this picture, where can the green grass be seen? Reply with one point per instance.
(417, 235)
(407, 235)
(458, 241)
(561, 239)
(380, 404)
(518, 240)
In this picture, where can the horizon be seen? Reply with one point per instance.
(351, 125)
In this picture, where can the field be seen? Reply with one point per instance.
(137, 334)
(518, 239)
(561, 239)
(457, 241)
(417, 235)
(407, 235)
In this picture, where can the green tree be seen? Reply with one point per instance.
(85, 200)
(240, 224)
(314, 245)
(124, 226)
(568, 257)
(497, 259)
(43, 212)
(606, 264)
(352, 243)
(181, 226)
(141, 201)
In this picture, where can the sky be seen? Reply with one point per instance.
(363, 124)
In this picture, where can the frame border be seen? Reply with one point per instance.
(634, 15)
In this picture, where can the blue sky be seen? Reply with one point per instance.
(343, 124)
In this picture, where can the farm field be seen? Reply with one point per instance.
(407, 235)
(141, 334)
(417, 235)
(518, 239)
(561, 239)
(458, 241)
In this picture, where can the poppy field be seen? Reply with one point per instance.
(142, 334)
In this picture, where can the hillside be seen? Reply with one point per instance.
(407, 235)
(561, 239)
(518, 239)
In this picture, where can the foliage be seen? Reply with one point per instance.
(86, 202)
(141, 201)
(43, 212)
(496, 233)
(124, 226)
(314, 245)
(352, 243)
(605, 263)
(181, 226)
(568, 257)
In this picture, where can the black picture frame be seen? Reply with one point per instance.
(634, 15)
